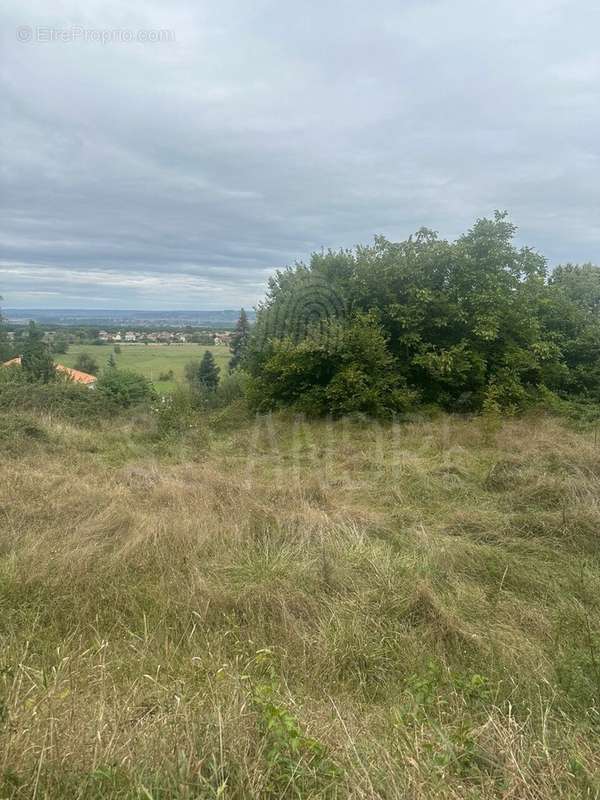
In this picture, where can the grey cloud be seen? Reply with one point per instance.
(181, 174)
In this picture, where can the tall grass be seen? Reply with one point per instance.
(277, 609)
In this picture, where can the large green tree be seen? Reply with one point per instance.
(572, 315)
(580, 283)
(465, 321)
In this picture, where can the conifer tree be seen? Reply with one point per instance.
(208, 372)
(36, 359)
(239, 340)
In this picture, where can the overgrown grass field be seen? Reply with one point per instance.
(150, 360)
(278, 609)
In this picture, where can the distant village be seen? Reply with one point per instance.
(161, 337)
(134, 337)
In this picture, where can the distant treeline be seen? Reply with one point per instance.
(470, 324)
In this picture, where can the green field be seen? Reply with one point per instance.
(150, 360)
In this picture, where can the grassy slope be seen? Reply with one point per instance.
(150, 360)
(289, 610)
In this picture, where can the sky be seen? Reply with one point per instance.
(174, 154)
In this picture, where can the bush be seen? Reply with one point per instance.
(341, 368)
(231, 389)
(176, 414)
(125, 388)
(61, 397)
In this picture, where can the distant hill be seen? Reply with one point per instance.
(82, 316)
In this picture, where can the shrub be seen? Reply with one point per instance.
(342, 368)
(125, 388)
(61, 397)
(176, 414)
(231, 389)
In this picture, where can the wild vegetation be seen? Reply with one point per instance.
(212, 607)
(357, 594)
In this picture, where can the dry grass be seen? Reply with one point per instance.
(300, 610)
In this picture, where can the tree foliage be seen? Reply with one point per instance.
(124, 387)
(60, 344)
(458, 324)
(203, 376)
(239, 340)
(87, 363)
(36, 359)
(208, 372)
(341, 368)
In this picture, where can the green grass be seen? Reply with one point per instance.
(150, 360)
(282, 609)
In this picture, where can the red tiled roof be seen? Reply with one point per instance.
(74, 374)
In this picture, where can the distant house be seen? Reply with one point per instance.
(130, 336)
(73, 374)
(117, 337)
(222, 338)
(104, 336)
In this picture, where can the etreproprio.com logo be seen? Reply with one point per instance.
(76, 33)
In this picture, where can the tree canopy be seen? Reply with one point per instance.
(456, 323)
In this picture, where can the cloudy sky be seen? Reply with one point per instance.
(180, 173)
